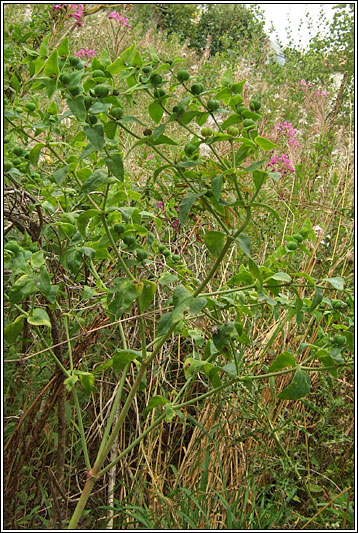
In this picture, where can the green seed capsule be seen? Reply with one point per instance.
(291, 245)
(197, 88)
(183, 75)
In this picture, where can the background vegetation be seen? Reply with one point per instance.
(243, 458)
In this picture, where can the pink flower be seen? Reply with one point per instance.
(160, 205)
(151, 156)
(119, 18)
(283, 162)
(86, 53)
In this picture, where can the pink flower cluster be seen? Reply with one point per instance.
(286, 128)
(86, 53)
(283, 161)
(78, 12)
(119, 18)
(321, 93)
(303, 85)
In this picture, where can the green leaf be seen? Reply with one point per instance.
(122, 358)
(70, 382)
(12, 331)
(98, 178)
(196, 305)
(244, 243)
(283, 360)
(51, 67)
(163, 139)
(156, 111)
(147, 294)
(167, 278)
(169, 412)
(186, 204)
(226, 80)
(243, 276)
(318, 297)
(298, 388)
(44, 45)
(71, 259)
(166, 321)
(255, 271)
(121, 296)
(63, 49)
(202, 118)
(259, 177)
(120, 63)
(280, 276)
(77, 107)
(265, 144)
(232, 119)
(95, 135)
(250, 114)
(37, 259)
(110, 129)
(115, 165)
(98, 107)
(86, 379)
(39, 317)
(154, 402)
(216, 186)
(22, 288)
(42, 281)
(83, 219)
(35, 154)
(338, 283)
(327, 360)
(215, 242)
(254, 166)
(61, 174)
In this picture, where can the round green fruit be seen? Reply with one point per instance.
(206, 132)
(155, 79)
(232, 130)
(117, 112)
(19, 151)
(101, 91)
(183, 75)
(178, 109)
(119, 228)
(255, 105)
(241, 108)
(7, 165)
(30, 107)
(80, 65)
(98, 74)
(338, 304)
(291, 245)
(65, 78)
(248, 122)
(147, 69)
(304, 233)
(161, 248)
(175, 258)
(189, 149)
(166, 252)
(17, 162)
(213, 105)
(92, 119)
(340, 340)
(74, 60)
(129, 240)
(141, 255)
(197, 88)
(87, 101)
(75, 91)
(298, 237)
(159, 92)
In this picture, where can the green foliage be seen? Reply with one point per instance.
(153, 207)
